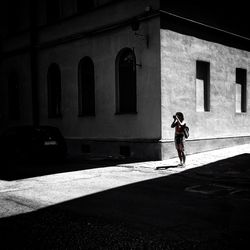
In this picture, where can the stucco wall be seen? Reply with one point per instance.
(103, 49)
(178, 75)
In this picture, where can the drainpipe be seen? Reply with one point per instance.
(34, 62)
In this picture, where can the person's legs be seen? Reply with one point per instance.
(179, 144)
(183, 158)
(182, 149)
(180, 155)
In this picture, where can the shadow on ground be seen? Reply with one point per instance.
(15, 170)
(201, 208)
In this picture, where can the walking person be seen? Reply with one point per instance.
(179, 125)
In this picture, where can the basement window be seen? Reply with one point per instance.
(125, 151)
(85, 148)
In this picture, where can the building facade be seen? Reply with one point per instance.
(111, 74)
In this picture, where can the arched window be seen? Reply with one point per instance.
(86, 87)
(126, 81)
(13, 96)
(54, 91)
(53, 10)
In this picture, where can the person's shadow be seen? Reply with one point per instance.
(166, 167)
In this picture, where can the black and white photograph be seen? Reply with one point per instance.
(124, 125)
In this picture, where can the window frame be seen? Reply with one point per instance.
(89, 87)
(119, 105)
(241, 78)
(203, 73)
(54, 71)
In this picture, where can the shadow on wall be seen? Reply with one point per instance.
(201, 208)
(206, 32)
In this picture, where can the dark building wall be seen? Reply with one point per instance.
(100, 34)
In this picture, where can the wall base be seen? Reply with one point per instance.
(203, 145)
(145, 150)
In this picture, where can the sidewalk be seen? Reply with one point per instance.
(143, 205)
(196, 160)
(38, 192)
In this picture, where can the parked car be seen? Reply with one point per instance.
(33, 143)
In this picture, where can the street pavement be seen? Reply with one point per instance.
(103, 204)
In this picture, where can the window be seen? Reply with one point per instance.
(85, 5)
(202, 86)
(126, 81)
(86, 87)
(54, 91)
(241, 90)
(53, 11)
(13, 96)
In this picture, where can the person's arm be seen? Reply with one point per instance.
(174, 123)
(183, 123)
